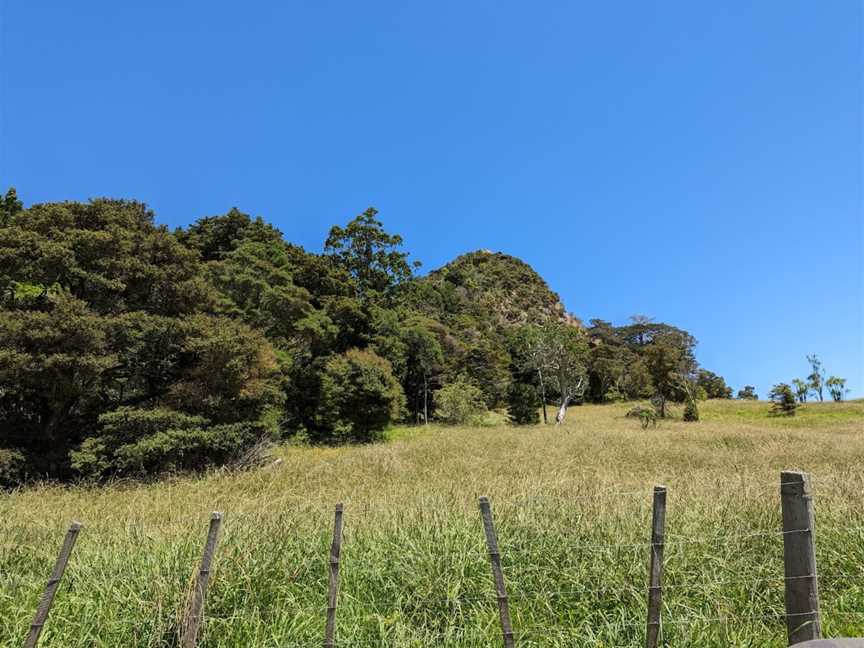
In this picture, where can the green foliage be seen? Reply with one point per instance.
(802, 388)
(817, 375)
(748, 393)
(783, 399)
(460, 403)
(691, 410)
(836, 387)
(359, 398)
(646, 415)
(669, 359)
(9, 207)
(12, 467)
(369, 254)
(714, 385)
(104, 310)
(139, 442)
(523, 404)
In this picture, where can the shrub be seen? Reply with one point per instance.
(783, 399)
(748, 393)
(460, 403)
(522, 404)
(691, 411)
(11, 467)
(646, 415)
(359, 398)
(137, 442)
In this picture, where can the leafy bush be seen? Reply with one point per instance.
(460, 403)
(522, 404)
(359, 398)
(647, 415)
(11, 467)
(783, 399)
(137, 442)
(691, 411)
(748, 393)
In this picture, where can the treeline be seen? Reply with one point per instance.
(127, 349)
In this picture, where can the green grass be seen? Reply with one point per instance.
(414, 568)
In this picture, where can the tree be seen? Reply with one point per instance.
(9, 206)
(669, 359)
(783, 399)
(836, 387)
(748, 393)
(522, 404)
(359, 398)
(530, 354)
(369, 254)
(802, 388)
(714, 385)
(423, 361)
(817, 375)
(566, 354)
(460, 403)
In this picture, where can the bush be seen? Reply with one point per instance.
(748, 393)
(460, 403)
(137, 442)
(783, 399)
(522, 404)
(359, 398)
(691, 411)
(11, 467)
(646, 415)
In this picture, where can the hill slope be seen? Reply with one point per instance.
(496, 286)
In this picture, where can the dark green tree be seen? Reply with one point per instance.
(748, 393)
(369, 254)
(783, 399)
(817, 375)
(802, 388)
(360, 398)
(836, 387)
(523, 404)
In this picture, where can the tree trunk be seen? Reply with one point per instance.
(425, 400)
(562, 411)
(543, 396)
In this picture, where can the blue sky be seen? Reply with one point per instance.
(700, 162)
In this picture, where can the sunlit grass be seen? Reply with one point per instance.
(414, 569)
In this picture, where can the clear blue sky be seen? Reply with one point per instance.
(700, 162)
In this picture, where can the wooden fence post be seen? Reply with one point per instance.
(655, 579)
(495, 560)
(333, 586)
(799, 557)
(195, 612)
(51, 588)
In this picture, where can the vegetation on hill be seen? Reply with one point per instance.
(127, 349)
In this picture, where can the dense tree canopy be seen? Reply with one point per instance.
(128, 349)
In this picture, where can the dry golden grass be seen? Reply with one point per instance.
(414, 566)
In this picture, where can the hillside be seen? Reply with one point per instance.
(572, 507)
(498, 286)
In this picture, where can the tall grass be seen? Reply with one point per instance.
(414, 567)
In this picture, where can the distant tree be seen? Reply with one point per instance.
(460, 403)
(424, 360)
(369, 254)
(669, 359)
(531, 355)
(783, 399)
(359, 398)
(817, 375)
(566, 355)
(836, 387)
(9, 206)
(748, 393)
(522, 404)
(714, 385)
(802, 388)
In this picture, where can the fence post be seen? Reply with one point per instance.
(195, 612)
(495, 560)
(47, 599)
(799, 557)
(333, 586)
(655, 579)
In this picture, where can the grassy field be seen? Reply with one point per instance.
(572, 506)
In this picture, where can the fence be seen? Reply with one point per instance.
(800, 576)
